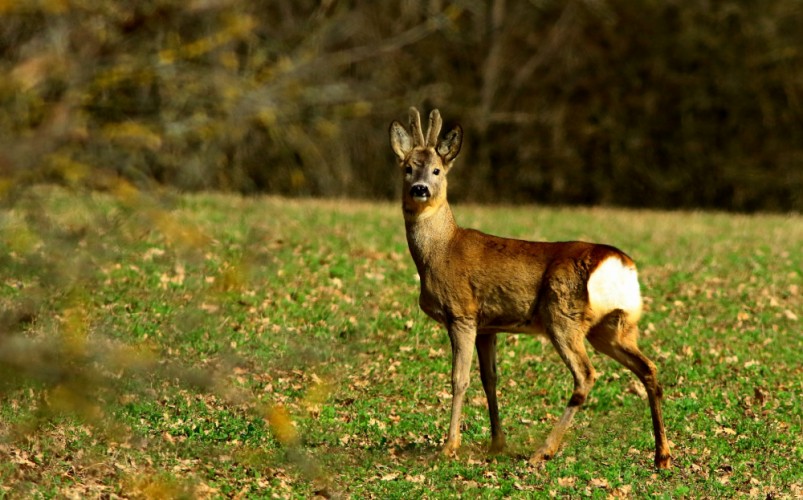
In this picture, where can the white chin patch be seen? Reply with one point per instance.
(421, 199)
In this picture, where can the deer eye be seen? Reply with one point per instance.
(436, 171)
(408, 170)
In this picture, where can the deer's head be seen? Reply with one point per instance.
(424, 163)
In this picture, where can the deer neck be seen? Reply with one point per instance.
(429, 233)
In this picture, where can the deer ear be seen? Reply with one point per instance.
(449, 147)
(400, 140)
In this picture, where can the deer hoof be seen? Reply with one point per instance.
(497, 446)
(450, 448)
(541, 455)
(663, 461)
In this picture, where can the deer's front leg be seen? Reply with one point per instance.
(462, 334)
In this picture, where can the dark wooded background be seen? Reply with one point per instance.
(668, 104)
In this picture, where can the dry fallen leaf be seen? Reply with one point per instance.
(637, 388)
(623, 491)
(760, 395)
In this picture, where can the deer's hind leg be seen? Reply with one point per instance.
(486, 352)
(617, 337)
(568, 338)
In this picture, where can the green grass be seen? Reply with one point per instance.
(210, 346)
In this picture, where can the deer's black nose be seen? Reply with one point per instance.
(419, 191)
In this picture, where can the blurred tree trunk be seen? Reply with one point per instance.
(482, 177)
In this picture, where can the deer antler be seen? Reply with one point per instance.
(415, 127)
(434, 129)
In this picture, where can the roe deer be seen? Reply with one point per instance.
(478, 285)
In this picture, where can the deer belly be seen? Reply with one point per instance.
(509, 314)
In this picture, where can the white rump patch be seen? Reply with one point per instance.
(611, 286)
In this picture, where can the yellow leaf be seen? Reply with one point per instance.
(133, 134)
(70, 170)
(31, 71)
(282, 425)
(74, 330)
(167, 57)
(55, 6)
(126, 192)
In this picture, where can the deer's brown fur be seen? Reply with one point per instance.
(478, 285)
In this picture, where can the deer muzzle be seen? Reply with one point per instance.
(420, 192)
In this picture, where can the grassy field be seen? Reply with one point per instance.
(163, 346)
